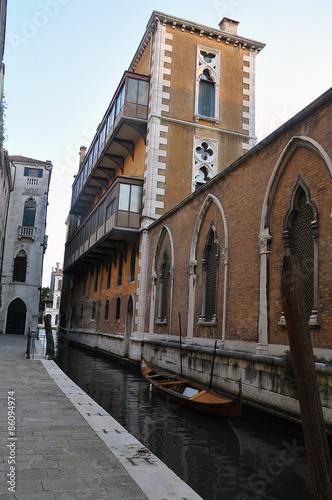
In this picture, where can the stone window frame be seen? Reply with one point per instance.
(214, 69)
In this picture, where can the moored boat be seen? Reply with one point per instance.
(191, 394)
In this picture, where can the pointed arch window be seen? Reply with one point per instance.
(206, 95)
(207, 84)
(118, 308)
(107, 309)
(164, 276)
(301, 239)
(210, 266)
(20, 267)
(29, 213)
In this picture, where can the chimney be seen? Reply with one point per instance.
(228, 25)
(82, 153)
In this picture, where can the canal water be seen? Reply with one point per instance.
(249, 458)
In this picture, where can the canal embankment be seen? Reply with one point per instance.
(59, 443)
(264, 384)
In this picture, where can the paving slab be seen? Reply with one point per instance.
(57, 443)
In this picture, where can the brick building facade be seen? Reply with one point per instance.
(177, 216)
(183, 111)
(248, 215)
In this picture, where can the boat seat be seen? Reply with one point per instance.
(171, 382)
(197, 395)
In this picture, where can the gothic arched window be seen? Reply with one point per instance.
(107, 309)
(301, 239)
(206, 94)
(164, 276)
(20, 267)
(29, 213)
(210, 265)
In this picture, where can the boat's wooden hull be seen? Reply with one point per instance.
(192, 395)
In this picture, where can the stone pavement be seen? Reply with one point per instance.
(57, 443)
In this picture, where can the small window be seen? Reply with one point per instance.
(118, 308)
(33, 172)
(120, 270)
(136, 199)
(20, 267)
(107, 309)
(132, 272)
(29, 213)
(109, 275)
(124, 197)
(93, 312)
(110, 208)
(206, 96)
(84, 285)
(110, 120)
(95, 286)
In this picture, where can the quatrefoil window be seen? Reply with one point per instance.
(204, 151)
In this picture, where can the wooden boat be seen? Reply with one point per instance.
(191, 394)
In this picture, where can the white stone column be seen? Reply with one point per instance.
(191, 302)
(263, 341)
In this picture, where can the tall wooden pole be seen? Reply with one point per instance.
(306, 379)
(213, 360)
(180, 344)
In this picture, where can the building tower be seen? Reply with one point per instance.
(52, 303)
(25, 245)
(183, 111)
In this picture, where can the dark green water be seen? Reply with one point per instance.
(250, 458)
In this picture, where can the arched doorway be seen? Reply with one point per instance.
(16, 315)
(129, 326)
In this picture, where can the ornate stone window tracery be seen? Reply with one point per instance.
(164, 277)
(210, 266)
(205, 161)
(300, 237)
(207, 84)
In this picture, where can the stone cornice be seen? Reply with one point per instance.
(192, 27)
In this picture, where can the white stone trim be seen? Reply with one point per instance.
(211, 165)
(155, 141)
(214, 68)
(250, 103)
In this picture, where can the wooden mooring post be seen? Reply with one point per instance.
(306, 379)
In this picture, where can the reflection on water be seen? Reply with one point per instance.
(249, 458)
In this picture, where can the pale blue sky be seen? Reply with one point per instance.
(64, 60)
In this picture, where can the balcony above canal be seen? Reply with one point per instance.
(123, 123)
(113, 222)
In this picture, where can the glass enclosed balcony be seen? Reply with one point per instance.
(123, 123)
(115, 218)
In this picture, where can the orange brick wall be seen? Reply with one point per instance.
(242, 193)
